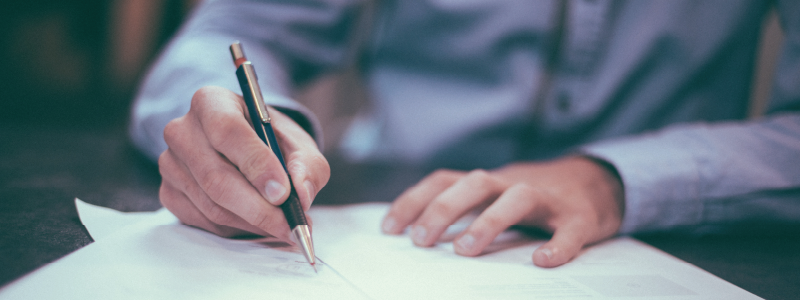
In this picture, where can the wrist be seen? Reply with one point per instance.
(611, 177)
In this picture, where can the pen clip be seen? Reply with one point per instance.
(254, 89)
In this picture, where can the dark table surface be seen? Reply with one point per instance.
(43, 169)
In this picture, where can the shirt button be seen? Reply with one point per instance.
(563, 102)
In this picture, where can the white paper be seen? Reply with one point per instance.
(160, 259)
(391, 267)
(101, 222)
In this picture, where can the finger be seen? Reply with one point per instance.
(307, 166)
(471, 190)
(221, 115)
(220, 180)
(515, 204)
(566, 243)
(409, 205)
(180, 206)
(175, 174)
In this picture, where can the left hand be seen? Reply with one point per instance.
(575, 198)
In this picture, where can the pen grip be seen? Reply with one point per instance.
(291, 208)
(293, 211)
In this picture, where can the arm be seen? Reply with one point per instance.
(216, 173)
(696, 175)
(715, 174)
(685, 175)
(288, 43)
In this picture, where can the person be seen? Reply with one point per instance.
(584, 118)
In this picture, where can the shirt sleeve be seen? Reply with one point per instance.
(288, 42)
(706, 176)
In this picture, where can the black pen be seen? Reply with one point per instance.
(263, 126)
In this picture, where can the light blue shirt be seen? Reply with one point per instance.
(659, 89)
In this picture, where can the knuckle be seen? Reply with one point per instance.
(479, 174)
(172, 131)
(441, 173)
(322, 169)
(215, 183)
(582, 220)
(494, 222)
(441, 208)
(478, 178)
(164, 196)
(170, 199)
(526, 190)
(296, 166)
(170, 170)
(310, 166)
(217, 215)
(254, 163)
(224, 128)
(442, 177)
(262, 219)
(203, 95)
(164, 162)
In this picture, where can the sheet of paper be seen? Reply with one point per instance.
(102, 222)
(160, 259)
(391, 267)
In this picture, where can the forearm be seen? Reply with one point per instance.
(277, 38)
(701, 174)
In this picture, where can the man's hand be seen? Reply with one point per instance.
(575, 198)
(219, 176)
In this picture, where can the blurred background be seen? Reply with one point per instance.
(76, 63)
(68, 74)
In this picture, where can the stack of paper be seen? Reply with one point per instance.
(157, 258)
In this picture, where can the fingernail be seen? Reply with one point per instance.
(466, 242)
(547, 252)
(274, 191)
(388, 225)
(418, 234)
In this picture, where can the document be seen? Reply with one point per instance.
(153, 256)
(102, 222)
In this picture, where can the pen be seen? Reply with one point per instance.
(263, 126)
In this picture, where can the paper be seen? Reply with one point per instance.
(101, 222)
(157, 258)
(390, 267)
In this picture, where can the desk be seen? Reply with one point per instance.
(43, 169)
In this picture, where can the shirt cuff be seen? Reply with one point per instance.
(661, 183)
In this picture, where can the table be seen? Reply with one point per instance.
(43, 169)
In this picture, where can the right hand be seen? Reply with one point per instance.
(219, 176)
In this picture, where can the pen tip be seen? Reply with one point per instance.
(314, 266)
